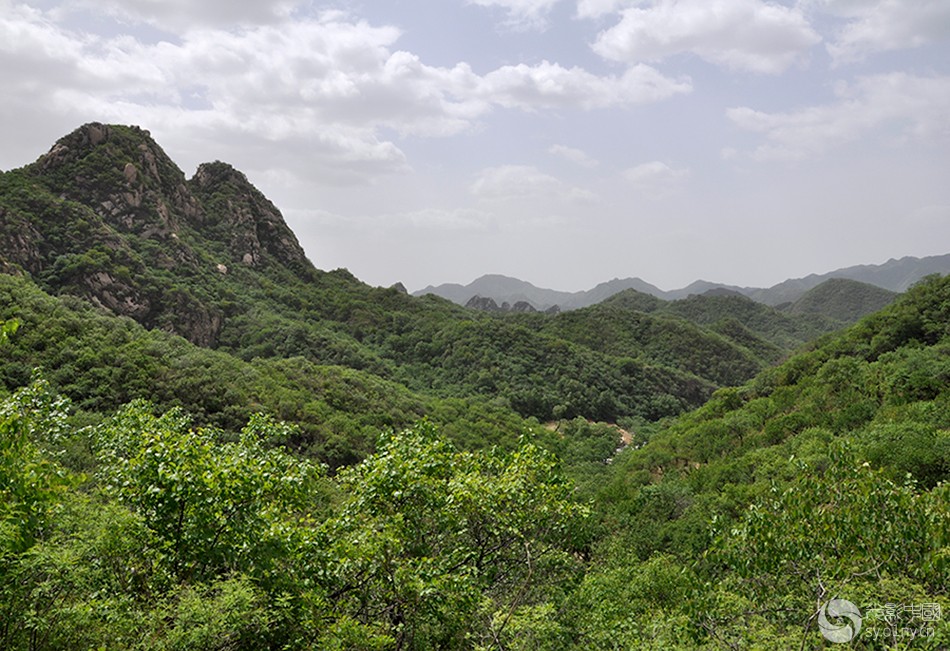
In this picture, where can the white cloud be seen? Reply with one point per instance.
(522, 14)
(327, 88)
(878, 25)
(523, 182)
(655, 179)
(917, 107)
(576, 156)
(458, 219)
(549, 85)
(598, 8)
(749, 35)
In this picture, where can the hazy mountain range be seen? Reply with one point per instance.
(895, 275)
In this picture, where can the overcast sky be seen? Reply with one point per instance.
(564, 142)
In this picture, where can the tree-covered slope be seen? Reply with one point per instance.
(842, 299)
(101, 362)
(825, 476)
(105, 215)
(658, 338)
(730, 527)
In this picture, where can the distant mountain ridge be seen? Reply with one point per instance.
(504, 289)
(895, 275)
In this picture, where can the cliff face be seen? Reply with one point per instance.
(252, 226)
(107, 215)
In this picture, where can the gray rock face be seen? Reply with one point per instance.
(487, 304)
(122, 174)
(107, 208)
(482, 303)
(253, 227)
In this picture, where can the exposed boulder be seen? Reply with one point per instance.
(19, 245)
(523, 306)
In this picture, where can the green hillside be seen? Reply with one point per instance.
(101, 362)
(842, 299)
(728, 527)
(824, 476)
(108, 217)
(208, 443)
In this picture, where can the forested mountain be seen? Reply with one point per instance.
(208, 443)
(842, 299)
(107, 216)
(823, 477)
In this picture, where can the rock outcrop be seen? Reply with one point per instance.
(487, 304)
(237, 212)
(107, 215)
(126, 178)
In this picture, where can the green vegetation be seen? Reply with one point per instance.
(108, 217)
(842, 299)
(727, 527)
(182, 538)
(825, 476)
(206, 443)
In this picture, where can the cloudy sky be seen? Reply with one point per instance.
(565, 142)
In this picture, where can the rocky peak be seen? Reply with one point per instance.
(488, 304)
(484, 303)
(241, 216)
(107, 215)
(124, 176)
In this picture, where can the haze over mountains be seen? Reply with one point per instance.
(895, 275)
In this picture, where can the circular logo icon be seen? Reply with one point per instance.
(839, 620)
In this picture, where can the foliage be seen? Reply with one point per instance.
(7, 330)
(215, 507)
(102, 363)
(842, 299)
(445, 549)
(190, 539)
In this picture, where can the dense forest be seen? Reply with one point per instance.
(208, 443)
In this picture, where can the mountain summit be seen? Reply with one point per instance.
(107, 215)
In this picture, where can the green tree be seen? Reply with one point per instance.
(7, 330)
(847, 531)
(436, 548)
(216, 507)
(29, 484)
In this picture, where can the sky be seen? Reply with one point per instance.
(563, 142)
